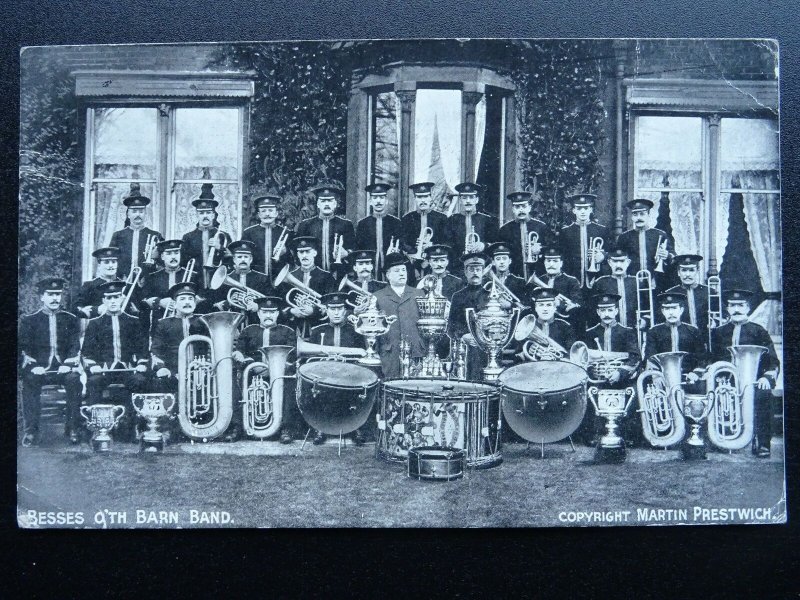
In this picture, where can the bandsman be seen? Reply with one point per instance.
(675, 336)
(584, 241)
(570, 293)
(415, 223)
(500, 253)
(362, 275)
(380, 231)
(622, 284)
(650, 249)
(89, 301)
(155, 292)
(133, 240)
(688, 267)
(459, 226)
(242, 253)
(266, 235)
(445, 284)
(49, 344)
(207, 244)
(306, 315)
(336, 235)
(544, 324)
(517, 235)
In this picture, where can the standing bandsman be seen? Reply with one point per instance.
(133, 240)
(584, 241)
(115, 351)
(379, 230)
(445, 284)
(739, 330)
(622, 284)
(398, 299)
(305, 316)
(500, 253)
(249, 347)
(517, 235)
(459, 226)
(49, 344)
(688, 266)
(544, 323)
(416, 222)
(242, 253)
(363, 262)
(266, 235)
(89, 301)
(570, 295)
(329, 228)
(206, 243)
(675, 336)
(155, 292)
(650, 249)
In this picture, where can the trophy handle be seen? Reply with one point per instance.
(171, 399)
(389, 319)
(470, 318)
(591, 393)
(353, 320)
(631, 393)
(138, 408)
(88, 417)
(121, 414)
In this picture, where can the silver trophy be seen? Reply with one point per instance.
(492, 328)
(434, 311)
(101, 419)
(371, 323)
(152, 407)
(611, 405)
(695, 408)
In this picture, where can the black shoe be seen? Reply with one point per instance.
(319, 438)
(232, 435)
(286, 437)
(73, 438)
(28, 440)
(763, 452)
(358, 438)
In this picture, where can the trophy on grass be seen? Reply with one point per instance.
(101, 419)
(492, 328)
(695, 408)
(371, 323)
(611, 405)
(152, 407)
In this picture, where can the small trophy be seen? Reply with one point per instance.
(492, 329)
(101, 419)
(371, 323)
(613, 405)
(695, 408)
(152, 407)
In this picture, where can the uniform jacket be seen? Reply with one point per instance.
(623, 339)
(659, 339)
(167, 337)
(123, 239)
(563, 284)
(608, 285)
(559, 331)
(98, 341)
(486, 226)
(338, 225)
(700, 293)
(157, 284)
(348, 338)
(89, 295)
(404, 328)
(751, 333)
(629, 241)
(257, 234)
(366, 235)
(410, 229)
(34, 338)
(510, 234)
(470, 296)
(255, 337)
(517, 286)
(569, 240)
(193, 247)
(320, 281)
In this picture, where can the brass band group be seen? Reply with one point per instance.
(440, 329)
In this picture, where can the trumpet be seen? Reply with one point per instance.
(187, 277)
(714, 304)
(596, 243)
(362, 297)
(423, 241)
(211, 250)
(505, 293)
(471, 240)
(239, 295)
(132, 282)
(300, 295)
(280, 245)
(150, 249)
(394, 246)
(338, 246)
(644, 303)
(662, 245)
(530, 255)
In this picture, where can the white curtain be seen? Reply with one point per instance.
(480, 132)
(763, 224)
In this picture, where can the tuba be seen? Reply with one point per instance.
(262, 404)
(239, 295)
(599, 364)
(205, 380)
(658, 391)
(730, 422)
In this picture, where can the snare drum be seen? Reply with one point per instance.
(436, 464)
(436, 413)
(335, 397)
(544, 401)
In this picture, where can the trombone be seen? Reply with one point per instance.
(132, 282)
(188, 273)
(644, 304)
(280, 245)
(714, 304)
(300, 295)
(239, 295)
(662, 245)
(423, 241)
(471, 240)
(530, 255)
(596, 243)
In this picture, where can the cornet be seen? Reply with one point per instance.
(280, 245)
(596, 243)
(150, 249)
(211, 250)
(338, 246)
(239, 295)
(300, 295)
(187, 277)
(662, 245)
(394, 246)
(471, 240)
(423, 241)
(530, 255)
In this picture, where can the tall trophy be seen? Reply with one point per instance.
(611, 405)
(492, 328)
(152, 407)
(695, 408)
(101, 419)
(371, 323)
(434, 311)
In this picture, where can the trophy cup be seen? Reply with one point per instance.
(612, 405)
(492, 328)
(371, 323)
(434, 311)
(152, 407)
(101, 419)
(695, 407)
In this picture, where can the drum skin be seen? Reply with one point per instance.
(335, 397)
(544, 401)
(436, 464)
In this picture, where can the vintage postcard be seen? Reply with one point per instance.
(401, 283)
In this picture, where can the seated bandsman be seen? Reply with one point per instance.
(688, 266)
(459, 226)
(675, 336)
(517, 235)
(570, 294)
(265, 236)
(647, 246)
(500, 253)
(739, 331)
(416, 222)
(249, 347)
(304, 316)
(327, 228)
(242, 252)
(49, 344)
(89, 301)
(445, 284)
(622, 284)
(115, 351)
(584, 242)
(132, 240)
(206, 243)
(362, 275)
(379, 230)
(543, 323)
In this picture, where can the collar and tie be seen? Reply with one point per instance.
(243, 278)
(692, 306)
(468, 222)
(51, 319)
(337, 335)
(171, 278)
(265, 337)
(607, 337)
(307, 278)
(544, 327)
(584, 252)
(185, 326)
(268, 250)
(523, 244)
(423, 221)
(737, 332)
(379, 242)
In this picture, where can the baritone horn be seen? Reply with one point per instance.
(205, 378)
(280, 245)
(262, 405)
(362, 297)
(596, 243)
(658, 391)
(599, 364)
(730, 422)
(300, 294)
(239, 295)
(530, 255)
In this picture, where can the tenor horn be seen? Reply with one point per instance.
(362, 298)
(239, 295)
(262, 404)
(730, 422)
(304, 294)
(658, 391)
(205, 379)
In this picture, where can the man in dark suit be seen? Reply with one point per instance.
(89, 301)
(242, 253)
(459, 226)
(622, 284)
(516, 235)
(445, 283)
(113, 342)
(688, 266)
(305, 315)
(49, 344)
(266, 235)
(647, 246)
(206, 238)
(415, 224)
(378, 231)
(584, 241)
(133, 240)
(336, 235)
(741, 331)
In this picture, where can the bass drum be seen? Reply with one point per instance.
(335, 397)
(544, 401)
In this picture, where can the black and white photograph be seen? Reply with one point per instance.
(439, 283)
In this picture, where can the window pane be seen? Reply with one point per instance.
(749, 154)
(437, 140)
(109, 213)
(386, 144)
(125, 143)
(184, 218)
(668, 152)
(207, 143)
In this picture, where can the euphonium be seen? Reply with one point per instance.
(538, 346)
(239, 295)
(362, 298)
(205, 381)
(599, 364)
(303, 295)
(262, 404)
(730, 422)
(658, 390)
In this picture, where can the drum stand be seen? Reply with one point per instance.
(342, 440)
(569, 437)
